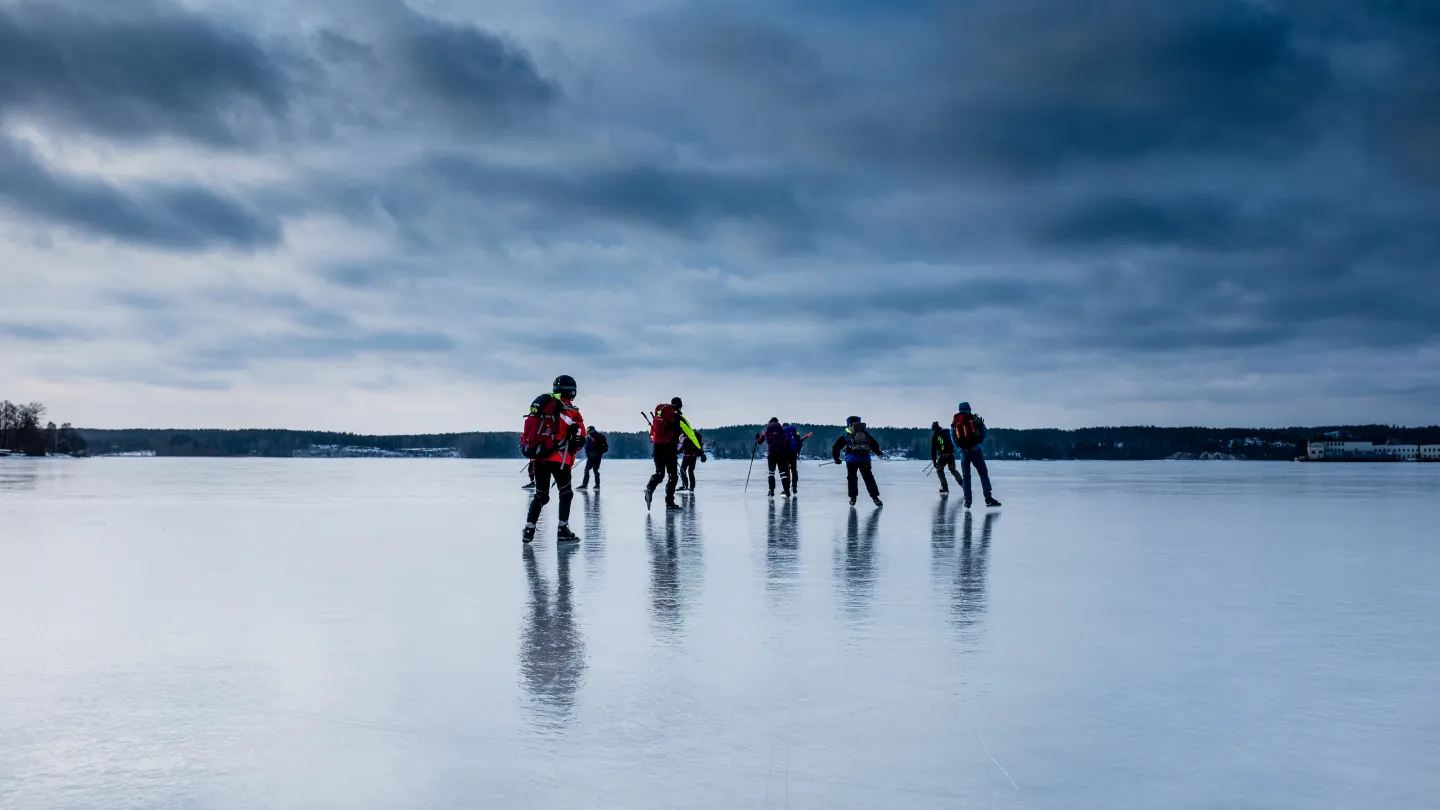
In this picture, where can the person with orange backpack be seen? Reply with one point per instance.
(665, 431)
(554, 432)
(969, 432)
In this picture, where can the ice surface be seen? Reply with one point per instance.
(371, 634)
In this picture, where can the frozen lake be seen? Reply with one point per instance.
(241, 633)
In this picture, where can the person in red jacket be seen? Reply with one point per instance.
(665, 431)
(554, 432)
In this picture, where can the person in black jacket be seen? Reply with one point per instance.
(689, 452)
(858, 444)
(942, 456)
(596, 446)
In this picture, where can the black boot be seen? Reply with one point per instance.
(649, 496)
(528, 535)
(564, 535)
(671, 504)
(990, 501)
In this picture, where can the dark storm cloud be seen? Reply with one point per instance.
(171, 216)
(471, 73)
(126, 70)
(674, 199)
(1035, 86)
(1208, 222)
(133, 69)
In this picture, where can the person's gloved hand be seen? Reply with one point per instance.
(704, 458)
(837, 461)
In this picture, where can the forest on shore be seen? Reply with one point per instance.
(1098, 443)
(24, 431)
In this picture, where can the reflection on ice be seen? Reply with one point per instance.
(594, 537)
(552, 648)
(855, 562)
(782, 548)
(960, 573)
(677, 567)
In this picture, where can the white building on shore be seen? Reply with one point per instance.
(1334, 450)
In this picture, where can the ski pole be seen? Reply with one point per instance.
(752, 468)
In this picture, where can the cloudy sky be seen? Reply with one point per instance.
(391, 216)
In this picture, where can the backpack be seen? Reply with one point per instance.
(544, 430)
(944, 446)
(666, 427)
(775, 438)
(857, 440)
(602, 444)
(792, 439)
(967, 430)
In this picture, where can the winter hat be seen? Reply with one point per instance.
(963, 407)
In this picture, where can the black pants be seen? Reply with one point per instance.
(687, 472)
(863, 468)
(544, 471)
(974, 456)
(592, 463)
(781, 462)
(666, 464)
(794, 459)
(941, 464)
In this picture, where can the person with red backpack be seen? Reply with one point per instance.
(665, 431)
(969, 432)
(554, 432)
(777, 453)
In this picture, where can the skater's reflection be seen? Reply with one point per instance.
(552, 649)
(942, 534)
(857, 562)
(594, 544)
(782, 549)
(676, 568)
(966, 580)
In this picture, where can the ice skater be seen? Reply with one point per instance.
(596, 446)
(690, 450)
(969, 431)
(942, 456)
(858, 445)
(554, 432)
(777, 454)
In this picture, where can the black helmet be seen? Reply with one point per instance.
(564, 384)
(676, 402)
(935, 426)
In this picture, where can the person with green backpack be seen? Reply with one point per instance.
(942, 456)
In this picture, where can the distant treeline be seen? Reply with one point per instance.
(22, 430)
(1114, 443)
